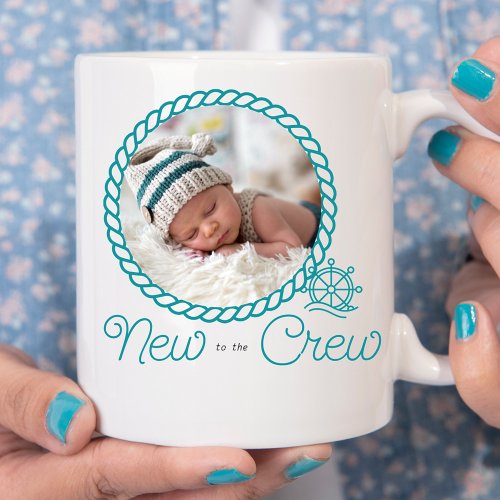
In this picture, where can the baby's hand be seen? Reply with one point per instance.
(229, 249)
(191, 252)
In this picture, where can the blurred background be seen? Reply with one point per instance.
(253, 149)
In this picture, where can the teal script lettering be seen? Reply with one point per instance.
(154, 347)
(285, 340)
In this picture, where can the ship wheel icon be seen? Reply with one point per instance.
(331, 290)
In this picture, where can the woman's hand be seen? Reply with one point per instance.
(46, 451)
(474, 163)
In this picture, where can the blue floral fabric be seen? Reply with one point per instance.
(434, 447)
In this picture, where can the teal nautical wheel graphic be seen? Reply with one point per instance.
(331, 289)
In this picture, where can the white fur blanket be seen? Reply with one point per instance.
(214, 280)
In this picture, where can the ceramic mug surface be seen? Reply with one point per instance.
(319, 355)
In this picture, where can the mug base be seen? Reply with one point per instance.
(244, 442)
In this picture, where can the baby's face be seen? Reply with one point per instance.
(208, 221)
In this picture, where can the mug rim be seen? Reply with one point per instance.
(238, 56)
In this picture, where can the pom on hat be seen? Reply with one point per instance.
(165, 175)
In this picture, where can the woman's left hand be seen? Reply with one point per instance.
(473, 162)
(46, 450)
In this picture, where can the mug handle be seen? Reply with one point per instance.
(413, 362)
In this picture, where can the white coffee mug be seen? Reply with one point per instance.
(314, 361)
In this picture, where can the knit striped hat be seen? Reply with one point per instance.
(165, 175)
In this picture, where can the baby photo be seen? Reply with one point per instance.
(199, 219)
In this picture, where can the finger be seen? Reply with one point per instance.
(478, 281)
(42, 407)
(275, 468)
(111, 468)
(485, 224)
(474, 83)
(475, 360)
(475, 250)
(471, 161)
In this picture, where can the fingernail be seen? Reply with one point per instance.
(474, 79)
(443, 146)
(227, 476)
(465, 321)
(303, 467)
(475, 202)
(61, 411)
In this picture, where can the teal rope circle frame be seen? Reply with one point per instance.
(130, 145)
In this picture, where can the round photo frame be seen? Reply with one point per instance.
(130, 145)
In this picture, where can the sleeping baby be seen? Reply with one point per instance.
(193, 203)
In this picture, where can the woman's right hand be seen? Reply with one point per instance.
(46, 451)
(473, 162)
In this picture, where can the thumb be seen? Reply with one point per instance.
(475, 360)
(43, 407)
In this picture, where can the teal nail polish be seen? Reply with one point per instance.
(475, 202)
(227, 476)
(474, 79)
(465, 321)
(443, 146)
(61, 411)
(303, 467)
